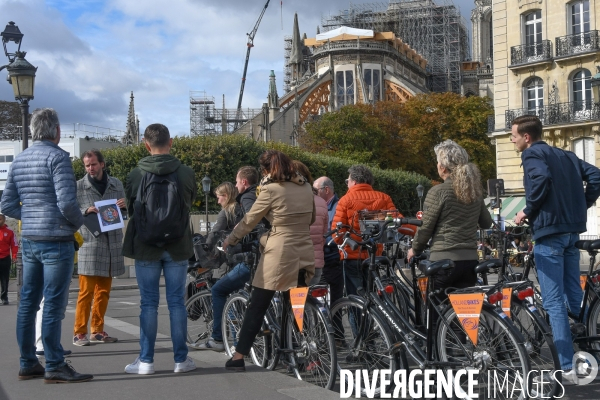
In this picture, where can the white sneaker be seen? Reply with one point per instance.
(570, 378)
(186, 366)
(210, 344)
(140, 367)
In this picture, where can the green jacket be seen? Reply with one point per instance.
(451, 225)
(162, 164)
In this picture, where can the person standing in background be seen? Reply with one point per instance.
(100, 257)
(8, 247)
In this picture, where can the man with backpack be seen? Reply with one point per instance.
(160, 192)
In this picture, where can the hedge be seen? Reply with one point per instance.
(221, 156)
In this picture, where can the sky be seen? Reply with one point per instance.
(91, 54)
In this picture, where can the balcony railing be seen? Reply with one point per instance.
(531, 53)
(491, 123)
(558, 114)
(579, 43)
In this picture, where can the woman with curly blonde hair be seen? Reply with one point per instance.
(452, 212)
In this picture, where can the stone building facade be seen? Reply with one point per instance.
(545, 53)
(349, 66)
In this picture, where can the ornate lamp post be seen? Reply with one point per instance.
(21, 74)
(420, 189)
(206, 188)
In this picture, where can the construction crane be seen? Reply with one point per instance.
(250, 45)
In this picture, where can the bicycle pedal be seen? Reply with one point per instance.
(266, 332)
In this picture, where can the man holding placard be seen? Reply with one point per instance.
(100, 256)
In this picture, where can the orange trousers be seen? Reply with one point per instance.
(94, 289)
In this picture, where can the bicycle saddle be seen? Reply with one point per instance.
(588, 245)
(382, 260)
(430, 268)
(484, 267)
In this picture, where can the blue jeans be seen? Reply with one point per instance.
(47, 271)
(355, 275)
(148, 277)
(557, 262)
(234, 280)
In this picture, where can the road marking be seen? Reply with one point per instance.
(128, 303)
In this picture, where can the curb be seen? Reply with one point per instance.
(118, 287)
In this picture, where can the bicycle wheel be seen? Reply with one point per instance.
(233, 316)
(199, 317)
(539, 344)
(498, 355)
(371, 352)
(593, 325)
(314, 347)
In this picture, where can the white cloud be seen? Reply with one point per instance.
(91, 53)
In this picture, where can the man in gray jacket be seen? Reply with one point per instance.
(41, 192)
(99, 257)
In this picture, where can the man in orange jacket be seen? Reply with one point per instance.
(8, 245)
(360, 196)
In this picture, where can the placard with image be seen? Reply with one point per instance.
(109, 215)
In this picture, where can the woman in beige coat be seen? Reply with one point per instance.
(286, 201)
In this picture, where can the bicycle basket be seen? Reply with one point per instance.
(371, 223)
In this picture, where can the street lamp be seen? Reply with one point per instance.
(206, 188)
(420, 189)
(21, 74)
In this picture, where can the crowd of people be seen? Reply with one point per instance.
(296, 211)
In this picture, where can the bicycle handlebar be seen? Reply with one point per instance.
(398, 222)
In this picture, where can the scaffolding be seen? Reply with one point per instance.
(287, 69)
(435, 30)
(206, 119)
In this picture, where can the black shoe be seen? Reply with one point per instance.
(235, 365)
(4, 302)
(37, 371)
(66, 374)
(66, 353)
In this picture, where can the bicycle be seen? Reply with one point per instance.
(235, 308)
(308, 353)
(380, 336)
(526, 313)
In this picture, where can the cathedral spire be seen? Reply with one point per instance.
(296, 56)
(273, 96)
(132, 133)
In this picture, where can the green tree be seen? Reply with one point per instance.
(221, 156)
(393, 135)
(10, 119)
(429, 119)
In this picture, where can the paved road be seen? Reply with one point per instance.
(106, 362)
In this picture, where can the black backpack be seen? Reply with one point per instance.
(160, 213)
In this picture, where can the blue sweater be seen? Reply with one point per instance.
(41, 191)
(556, 201)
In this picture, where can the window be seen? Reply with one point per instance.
(534, 96)
(582, 91)
(580, 17)
(580, 26)
(372, 85)
(344, 81)
(6, 158)
(584, 149)
(533, 35)
(491, 44)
